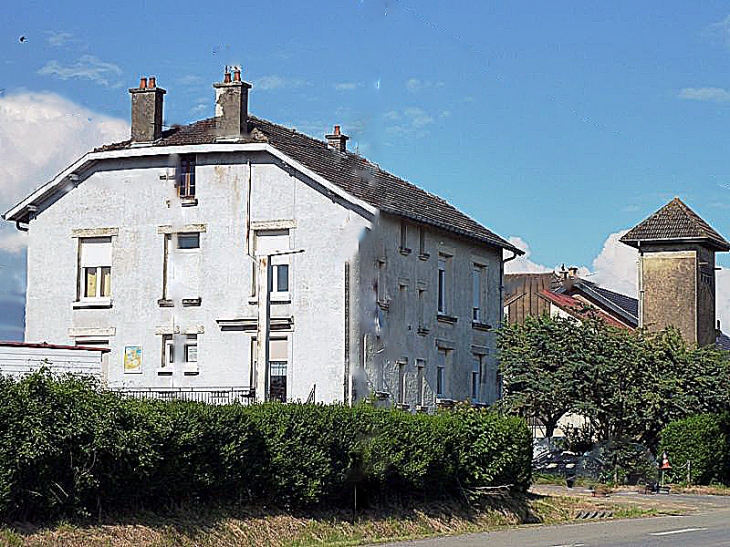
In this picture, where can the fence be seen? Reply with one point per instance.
(208, 395)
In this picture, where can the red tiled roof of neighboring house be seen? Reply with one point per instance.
(578, 308)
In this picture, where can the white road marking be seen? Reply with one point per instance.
(682, 531)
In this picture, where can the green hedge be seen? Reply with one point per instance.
(69, 448)
(703, 440)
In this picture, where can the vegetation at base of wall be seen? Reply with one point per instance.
(703, 441)
(628, 385)
(69, 448)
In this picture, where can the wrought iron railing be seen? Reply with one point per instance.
(208, 395)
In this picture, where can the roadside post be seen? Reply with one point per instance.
(665, 465)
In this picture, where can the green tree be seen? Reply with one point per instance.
(538, 360)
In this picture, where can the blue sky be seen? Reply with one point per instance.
(559, 123)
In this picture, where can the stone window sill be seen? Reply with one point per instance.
(190, 370)
(164, 371)
(443, 318)
(89, 303)
(421, 408)
(405, 251)
(478, 325)
(190, 302)
(384, 304)
(188, 202)
(423, 331)
(165, 303)
(424, 256)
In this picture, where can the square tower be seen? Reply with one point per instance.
(677, 271)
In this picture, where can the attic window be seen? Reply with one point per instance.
(186, 180)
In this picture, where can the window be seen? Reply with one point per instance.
(189, 240)
(191, 349)
(380, 283)
(442, 285)
(95, 274)
(269, 243)
(186, 181)
(420, 309)
(168, 353)
(401, 396)
(477, 277)
(181, 269)
(420, 366)
(476, 376)
(278, 365)
(404, 229)
(441, 373)
(422, 243)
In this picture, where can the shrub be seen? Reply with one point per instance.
(68, 448)
(701, 439)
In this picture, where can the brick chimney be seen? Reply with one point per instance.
(231, 106)
(147, 102)
(337, 140)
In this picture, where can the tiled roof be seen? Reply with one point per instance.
(675, 221)
(627, 304)
(580, 309)
(351, 172)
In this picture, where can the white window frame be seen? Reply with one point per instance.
(190, 348)
(476, 377)
(276, 261)
(97, 298)
(420, 384)
(442, 284)
(441, 366)
(478, 272)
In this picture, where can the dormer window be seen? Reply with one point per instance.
(186, 179)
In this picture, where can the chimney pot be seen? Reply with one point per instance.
(236, 75)
(337, 140)
(143, 83)
(227, 78)
(152, 82)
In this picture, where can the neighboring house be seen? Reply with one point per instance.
(18, 359)
(676, 282)
(677, 272)
(565, 294)
(185, 250)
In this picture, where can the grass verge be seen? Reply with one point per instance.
(227, 526)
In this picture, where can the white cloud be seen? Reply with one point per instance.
(58, 39)
(411, 121)
(711, 94)
(87, 67)
(523, 264)
(40, 133)
(267, 83)
(415, 85)
(189, 79)
(12, 240)
(719, 30)
(615, 268)
(346, 86)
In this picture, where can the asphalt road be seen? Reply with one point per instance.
(709, 527)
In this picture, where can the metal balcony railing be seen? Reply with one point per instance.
(208, 395)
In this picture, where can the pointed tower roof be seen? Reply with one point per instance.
(674, 223)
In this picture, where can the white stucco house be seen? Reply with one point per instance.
(186, 250)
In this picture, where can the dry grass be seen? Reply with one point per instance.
(223, 527)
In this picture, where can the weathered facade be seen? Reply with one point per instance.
(677, 272)
(184, 251)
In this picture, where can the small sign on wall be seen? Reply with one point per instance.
(133, 360)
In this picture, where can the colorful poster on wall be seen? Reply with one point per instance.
(133, 360)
